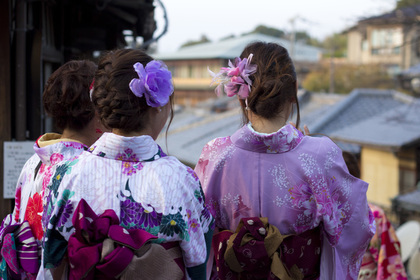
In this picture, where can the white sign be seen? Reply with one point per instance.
(15, 156)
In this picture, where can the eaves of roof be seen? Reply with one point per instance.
(403, 15)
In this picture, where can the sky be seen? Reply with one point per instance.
(190, 19)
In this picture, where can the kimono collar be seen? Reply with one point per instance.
(284, 140)
(51, 148)
(132, 149)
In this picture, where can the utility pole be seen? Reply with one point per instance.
(332, 85)
(293, 33)
(293, 36)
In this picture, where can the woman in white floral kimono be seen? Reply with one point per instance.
(126, 180)
(268, 168)
(65, 99)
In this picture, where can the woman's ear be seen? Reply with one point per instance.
(157, 110)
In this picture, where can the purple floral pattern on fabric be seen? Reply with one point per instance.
(67, 211)
(134, 215)
(298, 182)
(131, 168)
(75, 145)
(127, 155)
(130, 162)
(192, 172)
(284, 140)
(193, 225)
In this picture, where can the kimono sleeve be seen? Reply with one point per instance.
(349, 231)
(59, 209)
(200, 228)
(24, 187)
(205, 166)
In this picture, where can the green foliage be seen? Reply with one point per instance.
(348, 77)
(335, 45)
(270, 31)
(302, 36)
(202, 40)
(299, 35)
(406, 3)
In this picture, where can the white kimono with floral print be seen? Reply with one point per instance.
(146, 188)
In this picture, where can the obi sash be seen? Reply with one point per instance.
(102, 249)
(257, 250)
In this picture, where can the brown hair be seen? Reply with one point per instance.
(116, 105)
(274, 82)
(66, 95)
(352, 164)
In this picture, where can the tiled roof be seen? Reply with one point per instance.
(384, 118)
(413, 71)
(315, 105)
(186, 142)
(394, 128)
(409, 201)
(232, 47)
(360, 105)
(406, 14)
(343, 121)
(191, 129)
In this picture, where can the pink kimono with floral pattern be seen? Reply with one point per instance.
(382, 260)
(21, 232)
(298, 183)
(36, 174)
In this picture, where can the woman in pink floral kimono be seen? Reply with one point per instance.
(65, 99)
(269, 169)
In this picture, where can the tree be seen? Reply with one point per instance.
(227, 37)
(335, 45)
(302, 36)
(348, 77)
(203, 39)
(406, 3)
(270, 31)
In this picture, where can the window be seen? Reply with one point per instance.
(190, 71)
(172, 69)
(386, 41)
(407, 180)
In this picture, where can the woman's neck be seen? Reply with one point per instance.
(84, 138)
(129, 134)
(262, 125)
(87, 135)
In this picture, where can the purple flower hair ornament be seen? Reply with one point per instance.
(154, 83)
(234, 80)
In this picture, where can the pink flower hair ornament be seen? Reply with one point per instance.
(154, 83)
(234, 80)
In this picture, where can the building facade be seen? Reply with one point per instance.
(189, 65)
(391, 39)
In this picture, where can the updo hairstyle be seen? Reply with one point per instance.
(66, 95)
(114, 102)
(274, 82)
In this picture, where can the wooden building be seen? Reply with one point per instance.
(36, 37)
